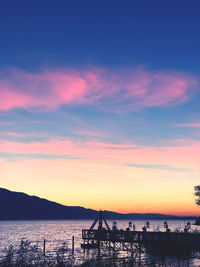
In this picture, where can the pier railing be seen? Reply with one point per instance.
(114, 236)
(140, 237)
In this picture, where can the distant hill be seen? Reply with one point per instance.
(20, 206)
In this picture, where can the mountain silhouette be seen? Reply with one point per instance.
(20, 206)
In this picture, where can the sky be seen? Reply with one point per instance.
(100, 103)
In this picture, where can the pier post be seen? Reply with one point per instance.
(73, 245)
(44, 247)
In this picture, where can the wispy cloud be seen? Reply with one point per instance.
(23, 136)
(158, 167)
(5, 123)
(12, 134)
(90, 133)
(185, 155)
(130, 90)
(21, 156)
(194, 124)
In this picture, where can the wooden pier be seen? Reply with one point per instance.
(179, 242)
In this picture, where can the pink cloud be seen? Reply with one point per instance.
(189, 125)
(51, 89)
(9, 98)
(161, 89)
(184, 155)
(13, 134)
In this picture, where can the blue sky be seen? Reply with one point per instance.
(162, 35)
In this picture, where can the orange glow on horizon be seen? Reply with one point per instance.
(98, 175)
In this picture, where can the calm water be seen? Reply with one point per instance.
(57, 232)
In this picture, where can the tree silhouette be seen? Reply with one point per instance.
(197, 193)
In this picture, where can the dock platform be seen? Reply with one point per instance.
(127, 239)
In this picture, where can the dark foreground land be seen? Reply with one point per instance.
(28, 255)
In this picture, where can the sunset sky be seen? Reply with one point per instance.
(100, 103)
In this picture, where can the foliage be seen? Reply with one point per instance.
(9, 259)
(197, 194)
(31, 255)
(28, 255)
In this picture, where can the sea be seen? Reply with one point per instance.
(56, 232)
